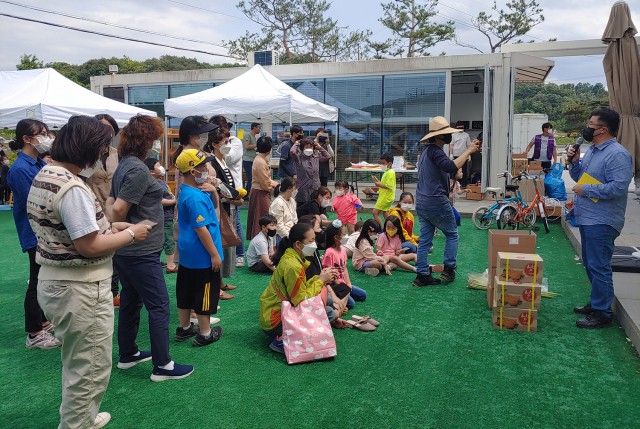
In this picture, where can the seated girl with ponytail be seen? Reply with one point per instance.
(289, 279)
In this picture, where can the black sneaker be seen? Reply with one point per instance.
(595, 320)
(586, 310)
(204, 340)
(425, 280)
(163, 264)
(184, 334)
(448, 274)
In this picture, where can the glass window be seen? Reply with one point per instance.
(188, 88)
(114, 93)
(313, 89)
(155, 94)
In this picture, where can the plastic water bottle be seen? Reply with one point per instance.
(545, 284)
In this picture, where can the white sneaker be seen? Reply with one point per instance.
(43, 340)
(240, 261)
(213, 321)
(373, 272)
(101, 420)
(49, 328)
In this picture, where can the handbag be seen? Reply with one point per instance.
(228, 232)
(306, 332)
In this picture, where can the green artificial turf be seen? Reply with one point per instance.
(434, 361)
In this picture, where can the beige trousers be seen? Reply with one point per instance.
(82, 313)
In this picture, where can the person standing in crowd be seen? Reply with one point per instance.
(432, 200)
(234, 162)
(5, 190)
(322, 139)
(136, 197)
(199, 273)
(544, 147)
(283, 207)
(220, 146)
(403, 212)
(600, 210)
(287, 166)
(317, 205)
(250, 145)
(75, 246)
(194, 134)
(261, 185)
(100, 183)
(308, 155)
(31, 139)
(459, 143)
(168, 206)
(387, 186)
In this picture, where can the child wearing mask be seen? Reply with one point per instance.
(364, 258)
(403, 212)
(346, 205)
(389, 244)
(387, 188)
(262, 247)
(454, 190)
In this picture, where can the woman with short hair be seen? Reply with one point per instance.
(308, 155)
(136, 197)
(75, 246)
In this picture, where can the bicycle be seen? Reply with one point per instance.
(512, 217)
(484, 216)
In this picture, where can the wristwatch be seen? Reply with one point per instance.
(133, 236)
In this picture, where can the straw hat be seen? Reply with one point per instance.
(439, 126)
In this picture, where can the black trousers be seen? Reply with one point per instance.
(33, 314)
(115, 281)
(324, 181)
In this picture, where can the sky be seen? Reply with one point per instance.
(565, 20)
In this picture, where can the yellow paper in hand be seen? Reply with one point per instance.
(589, 180)
(240, 134)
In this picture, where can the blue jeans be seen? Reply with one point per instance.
(597, 250)
(357, 294)
(247, 165)
(441, 217)
(456, 215)
(409, 245)
(142, 282)
(240, 231)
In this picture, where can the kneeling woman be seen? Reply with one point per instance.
(290, 280)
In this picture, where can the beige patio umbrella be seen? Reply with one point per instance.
(622, 69)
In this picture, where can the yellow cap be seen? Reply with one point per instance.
(191, 158)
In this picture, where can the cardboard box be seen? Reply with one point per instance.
(517, 295)
(554, 211)
(535, 164)
(519, 267)
(501, 240)
(491, 280)
(519, 165)
(527, 188)
(474, 196)
(515, 319)
(534, 171)
(476, 189)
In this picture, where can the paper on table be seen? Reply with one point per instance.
(586, 179)
(398, 162)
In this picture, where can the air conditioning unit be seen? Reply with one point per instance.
(264, 58)
(113, 69)
(389, 111)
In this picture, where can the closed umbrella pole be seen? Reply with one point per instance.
(622, 70)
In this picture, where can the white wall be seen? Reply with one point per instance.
(467, 107)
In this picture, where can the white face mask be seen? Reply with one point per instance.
(7, 162)
(294, 193)
(204, 175)
(202, 140)
(156, 146)
(309, 249)
(340, 193)
(344, 240)
(225, 149)
(308, 152)
(374, 237)
(161, 170)
(384, 167)
(44, 144)
(88, 172)
(326, 203)
(406, 207)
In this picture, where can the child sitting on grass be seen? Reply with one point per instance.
(346, 205)
(364, 258)
(351, 242)
(200, 246)
(261, 249)
(335, 256)
(389, 244)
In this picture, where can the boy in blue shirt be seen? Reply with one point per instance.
(200, 246)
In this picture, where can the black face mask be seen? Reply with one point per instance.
(271, 232)
(446, 138)
(587, 133)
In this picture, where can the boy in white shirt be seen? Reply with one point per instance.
(261, 247)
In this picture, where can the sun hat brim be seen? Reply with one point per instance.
(445, 130)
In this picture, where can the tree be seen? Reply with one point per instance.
(521, 17)
(317, 34)
(279, 17)
(388, 48)
(413, 23)
(250, 42)
(29, 62)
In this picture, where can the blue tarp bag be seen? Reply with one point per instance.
(553, 183)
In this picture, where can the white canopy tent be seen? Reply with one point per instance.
(255, 95)
(46, 95)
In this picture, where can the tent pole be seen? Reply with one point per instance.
(290, 124)
(166, 144)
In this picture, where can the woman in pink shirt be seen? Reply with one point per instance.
(346, 205)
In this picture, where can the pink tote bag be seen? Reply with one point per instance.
(306, 332)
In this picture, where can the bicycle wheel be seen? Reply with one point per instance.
(529, 219)
(506, 218)
(483, 218)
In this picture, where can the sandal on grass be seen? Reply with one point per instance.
(361, 326)
(366, 319)
(226, 286)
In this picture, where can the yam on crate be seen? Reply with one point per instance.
(517, 295)
(519, 267)
(515, 319)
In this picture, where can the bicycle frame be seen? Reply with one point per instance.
(523, 210)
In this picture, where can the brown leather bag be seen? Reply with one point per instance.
(228, 232)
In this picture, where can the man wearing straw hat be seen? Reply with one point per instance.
(432, 200)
